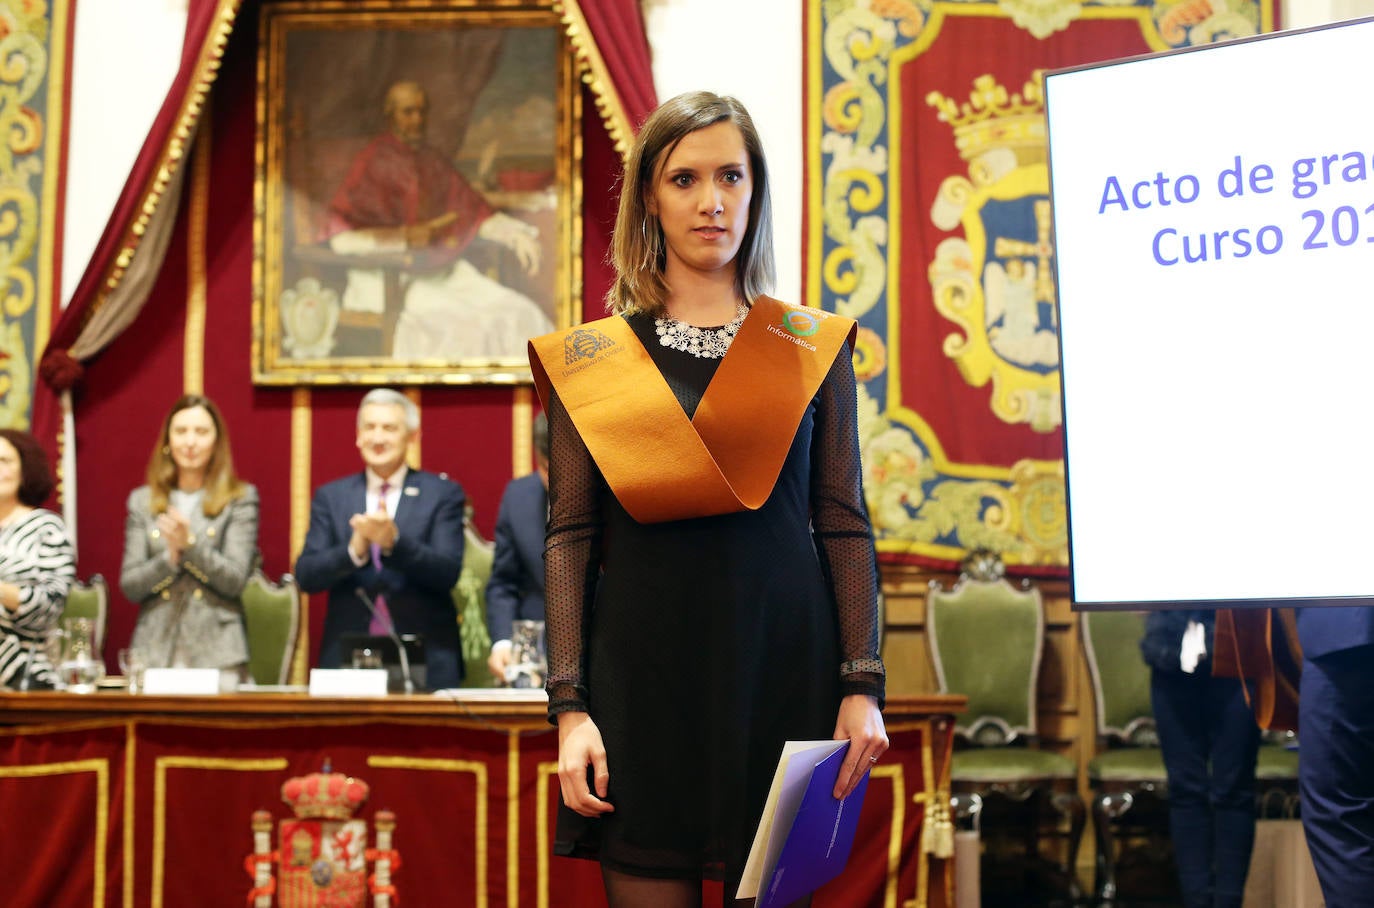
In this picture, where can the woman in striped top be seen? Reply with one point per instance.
(37, 562)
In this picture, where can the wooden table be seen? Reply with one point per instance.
(146, 800)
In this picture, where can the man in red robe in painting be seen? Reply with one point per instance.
(401, 194)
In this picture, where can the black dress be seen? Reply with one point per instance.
(699, 646)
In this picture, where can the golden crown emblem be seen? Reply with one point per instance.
(324, 795)
(994, 118)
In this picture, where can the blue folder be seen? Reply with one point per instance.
(819, 829)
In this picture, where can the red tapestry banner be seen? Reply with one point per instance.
(929, 221)
(35, 82)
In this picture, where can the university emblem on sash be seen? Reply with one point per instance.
(996, 282)
(802, 322)
(584, 343)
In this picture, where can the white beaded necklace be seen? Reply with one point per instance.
(709, 343)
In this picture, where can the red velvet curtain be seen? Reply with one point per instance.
(206, 24)
(617, 26)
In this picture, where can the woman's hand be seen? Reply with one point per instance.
(176, 532)
(861, 723)
(579, 746)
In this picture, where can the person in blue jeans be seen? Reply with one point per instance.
(1210, 742)
(1336, 772)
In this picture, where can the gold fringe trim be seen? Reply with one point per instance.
(481, 778)
(592, 68)
(173, 155)
(101, 767)
(162, 767)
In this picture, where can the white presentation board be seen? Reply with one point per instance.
(1214, 243)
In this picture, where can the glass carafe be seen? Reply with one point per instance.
(528, 662)
(80, 667)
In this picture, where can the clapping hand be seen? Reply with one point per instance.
(175, 529)
(372, 529)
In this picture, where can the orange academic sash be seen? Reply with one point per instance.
(663, 466)
(1260, 645)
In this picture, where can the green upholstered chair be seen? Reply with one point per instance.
(1276, 776)
(90, 600)
(985, 639)
(272, 617)
(470, 598)
(1129, 783)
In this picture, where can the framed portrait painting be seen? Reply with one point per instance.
(418, 204)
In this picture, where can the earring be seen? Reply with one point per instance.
(651, 244)
(166, 449)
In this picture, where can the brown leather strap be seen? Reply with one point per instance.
(662, 466)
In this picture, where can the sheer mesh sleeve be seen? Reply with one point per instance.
(571, 559)
(844, 536)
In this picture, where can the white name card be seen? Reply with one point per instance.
(348, 682)
(181, 681)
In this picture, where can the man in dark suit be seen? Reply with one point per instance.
(391, 538)
(1336, 741)
(516, 588)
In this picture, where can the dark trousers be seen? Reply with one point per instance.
(1210, 742)
(1336, 773)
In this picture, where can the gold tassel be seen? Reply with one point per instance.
(938, 835)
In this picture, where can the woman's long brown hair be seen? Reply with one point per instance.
(222, 485)
(638, 250)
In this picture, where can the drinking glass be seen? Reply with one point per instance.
(528, 662)
(133, 664)
(55, 648)
(80, 669)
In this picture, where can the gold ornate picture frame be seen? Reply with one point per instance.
(417, 209)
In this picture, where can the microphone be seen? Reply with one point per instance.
(391, 632)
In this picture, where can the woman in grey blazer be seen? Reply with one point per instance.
(190, 544)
